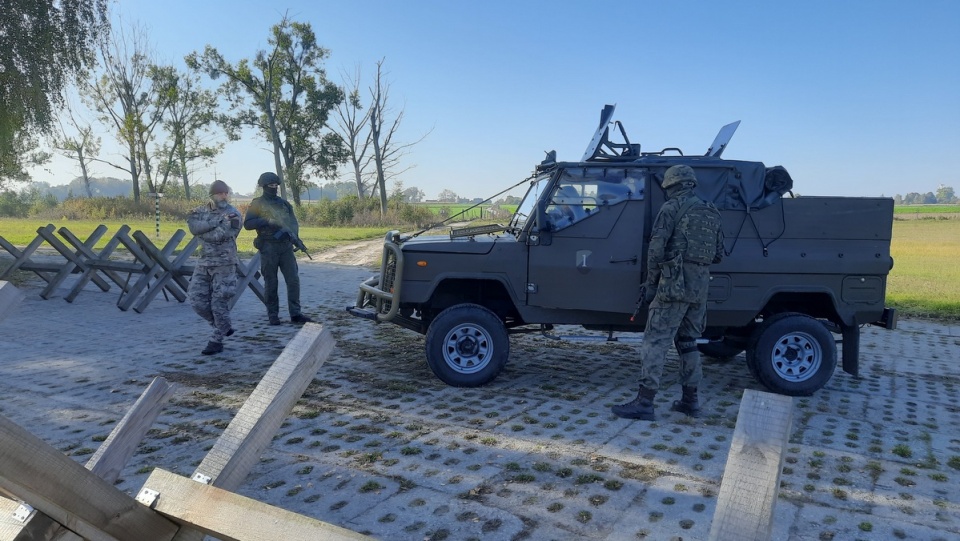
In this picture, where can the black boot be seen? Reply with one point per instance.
(688, 403)
(640, 407)
(212, 347)
(274, 320)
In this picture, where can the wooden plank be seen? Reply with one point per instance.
(110, 458)
(228, 516)
(114, 453)
(249, 433)
(70, 494)
(170, 270)
(74, 261)
(239, 448)
(22, 259)
(751, 478)
(10, 297)
(247, 277)
(95, 262)
(127, 300)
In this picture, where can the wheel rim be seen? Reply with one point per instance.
(467, 348)
(796, 357)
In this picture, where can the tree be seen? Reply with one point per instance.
(290, 100)
(43, 43)
(413, 195)
(386, 151)
(945, 194)
(190, 115)
(354, 132)
(78, 142)
(447, 196)
(127, 100)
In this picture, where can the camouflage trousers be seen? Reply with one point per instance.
(210, 292)
(677, 323)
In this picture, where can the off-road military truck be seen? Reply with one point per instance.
(798, 271)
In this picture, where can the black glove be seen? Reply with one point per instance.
(284, 232)
(648, 293)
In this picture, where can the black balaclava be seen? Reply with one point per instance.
(267, 190)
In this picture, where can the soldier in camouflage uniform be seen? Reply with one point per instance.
(687, 238)
(277, 227)
(214, 280)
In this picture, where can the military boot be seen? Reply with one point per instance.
(688, 403)
(212, 347)
(274, 320)
(640, 407)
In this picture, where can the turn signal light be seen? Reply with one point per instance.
(421, 263)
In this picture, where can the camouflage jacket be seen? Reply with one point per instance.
(217, 229)
(668, 241)
(268, 214)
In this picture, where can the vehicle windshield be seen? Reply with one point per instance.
(527, 205)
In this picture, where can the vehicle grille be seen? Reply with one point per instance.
(388, 278)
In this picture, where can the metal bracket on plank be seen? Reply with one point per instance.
(22, 512)
(201, 478)
(148, 497)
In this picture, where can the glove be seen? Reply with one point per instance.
(284, 232)
(648, 293)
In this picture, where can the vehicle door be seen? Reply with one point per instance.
(589, 255)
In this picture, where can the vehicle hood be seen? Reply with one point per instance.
(444, 244)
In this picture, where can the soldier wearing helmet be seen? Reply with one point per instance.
(214, 281)
(687, 237)
(277, 228)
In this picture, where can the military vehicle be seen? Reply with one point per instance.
(798, 271)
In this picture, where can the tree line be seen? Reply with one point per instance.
(170, 122)
(943, 196)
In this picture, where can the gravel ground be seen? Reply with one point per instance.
(378, 445)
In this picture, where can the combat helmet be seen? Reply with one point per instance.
(679, 174)
(268, 178)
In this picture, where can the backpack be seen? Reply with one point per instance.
(700, 228)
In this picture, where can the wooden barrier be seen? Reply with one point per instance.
(751, 478)
(73, 502)
(157, 269)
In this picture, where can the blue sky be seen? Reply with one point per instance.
(856, 98)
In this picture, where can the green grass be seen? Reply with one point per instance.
(21, 232)
(925, 209)
(925, 280)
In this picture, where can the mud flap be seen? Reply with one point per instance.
(851, 349)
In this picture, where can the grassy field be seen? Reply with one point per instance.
(21, 232)
(925, 280)
(908, 211)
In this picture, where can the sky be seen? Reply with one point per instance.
(853, 98)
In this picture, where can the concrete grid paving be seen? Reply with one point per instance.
(378, 445)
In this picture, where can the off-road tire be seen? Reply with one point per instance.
(723, 350)
(467, 345)
(793, 354)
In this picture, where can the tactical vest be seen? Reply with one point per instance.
(699, 225)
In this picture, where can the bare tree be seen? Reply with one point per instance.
(369, 136)
(384, 125)
(125, 99)
(78, 142)
(353, 131)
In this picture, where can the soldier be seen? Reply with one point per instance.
(277, 229)
(687, 238)
(214, 280)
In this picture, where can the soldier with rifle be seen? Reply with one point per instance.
(278, 236)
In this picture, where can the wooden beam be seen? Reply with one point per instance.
(751, 478)
(239, 448)
(70, 494)
(114, 453)
(229, 516)
(10, 297)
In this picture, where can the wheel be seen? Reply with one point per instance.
(793, 354)
(467, 345)
(723, 350)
